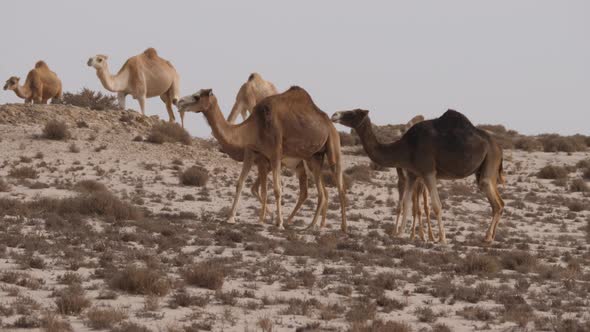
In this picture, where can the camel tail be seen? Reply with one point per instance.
(253, 76)
(151, 53)
(41, 64)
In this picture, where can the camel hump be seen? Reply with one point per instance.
(452, 119)
(41, 64)
(416, 119)
(253, 76)
(151, 53)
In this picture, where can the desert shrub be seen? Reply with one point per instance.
(130, 327)
(56, 130)
(208, 275)
(556, 143)
(362, 310)
(51, 322)
(476, 313)
(194, 176)
(331, 183)
(518, 260)
(552, 172)
(141, 280)
(94, 100)
(479, 264)
(584, 163)
(4, 187)
(71, 300)
(425, 314)
(579, 185)
(24, 172)
(89, 186)
(167, 132)
(347, 139)
(379, 326)
(586, 174)
(528, 144)
(360, 173)
(578, 205)
(104, 317)
(73, 148)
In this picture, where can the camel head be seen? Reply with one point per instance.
(11, 83)
(98, 61)
(350, 119)
(198, 102)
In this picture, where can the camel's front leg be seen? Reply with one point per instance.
(302, 176)
(276, 176)
(121, 99)
(245, 169)
(408, 190)
(315, 164)
(141, 100)
(262, 175)
(430, 182)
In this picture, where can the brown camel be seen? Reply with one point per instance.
(280, 134)
(250, 94)
(41, 85)
(142, 76)
(448, 147)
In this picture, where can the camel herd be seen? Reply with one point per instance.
(288, 129)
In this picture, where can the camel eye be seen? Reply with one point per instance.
(99, 60)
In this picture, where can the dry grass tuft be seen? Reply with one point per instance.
(71, 300)
(360, 173)
(56, 130)
(89, 99)
(166, 132)
(552, 172)
(579, 185)
(104, 317)
(196, 176)
(89, 186)
(24, 172)
(4, 187)
(208, 275)
(141, 280)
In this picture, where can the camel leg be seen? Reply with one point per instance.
(44, 101)
(427, 213)
(302, 176)
(430, 181)
(263, 188)
(141, 100)
(408, 191)
(325, 208)
(245, 169)
(276, 177)
(501, 201)
(488, 187)
(181, 118)
(262, 173)
(315, 164)
(401, 183)
(417, 214)
(337, 173)
(168, 101)
(28, 101)
(121, 99)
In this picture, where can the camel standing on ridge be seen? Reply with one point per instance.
(142, 76)
(41, 85)
(280, 134)
(250, 94)
(448, 147)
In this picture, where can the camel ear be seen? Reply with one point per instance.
(364, 112)
(207, 92)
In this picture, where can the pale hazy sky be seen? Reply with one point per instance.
(524, 64)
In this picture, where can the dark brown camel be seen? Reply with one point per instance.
(448, 147)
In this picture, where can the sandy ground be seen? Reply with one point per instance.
(535, 276)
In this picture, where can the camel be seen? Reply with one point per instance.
(41, 85)
(250, 94)
(142, 76)
(448, 147)
(284, 128)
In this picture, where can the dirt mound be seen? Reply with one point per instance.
(21, 114)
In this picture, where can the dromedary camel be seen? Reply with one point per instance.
(250, 94)
(285, 128)
(448, 147)
(41, 85)
(142, 76)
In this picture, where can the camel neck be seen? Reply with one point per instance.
(229, 136)
(107, 80)
(23, 91)
(390, 155)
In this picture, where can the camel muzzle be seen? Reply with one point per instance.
(89, 63)
(336, 117)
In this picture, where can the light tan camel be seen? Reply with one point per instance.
(142, 76)
(285, 128)
(250, 94)
(41, 85)
(448, 147)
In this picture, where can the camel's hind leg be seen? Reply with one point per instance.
(302, 176)
(401, 183)
(168, 101)
(276, 177)
(121, 99)
(141, 101)
(408, 192)
(417, 212)
(315, 164)
(430, 182)
(245, 169)
(488, 186)
(426, 199)
(325, 209)
(256, 189)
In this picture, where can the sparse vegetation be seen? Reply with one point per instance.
(166, 132)
(552, 172)
(71, 300)
(89, 99)
(56, 130)
(99, 318)
(206, 275)
(196, 176)
(141, 280)
(23, 172)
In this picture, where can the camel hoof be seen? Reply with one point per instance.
(231, 220)
(312, 227)
(442, 241)
(281, 227)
